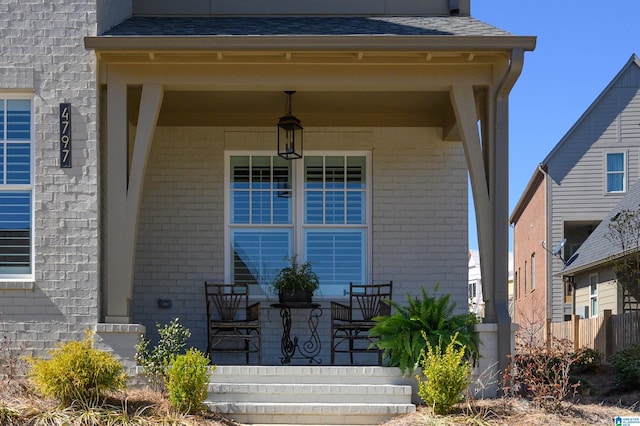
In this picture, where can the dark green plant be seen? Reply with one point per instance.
(296, 276)
(155, 362)
(626, 366)
(446, 376)
(403, 335)
(587, 360)
(188, 378)
(77, 372)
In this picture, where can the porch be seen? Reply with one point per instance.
(416, 115)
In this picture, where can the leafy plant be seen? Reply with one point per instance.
(447, 375)
(587, 360)
(626, 366)
(77, 372)
(296, 276)
(404, 334)
(155, 362)
(188, 379)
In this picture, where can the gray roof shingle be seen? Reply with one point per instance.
(597, 248)
(302, 26)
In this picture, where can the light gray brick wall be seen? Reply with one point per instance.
(419, 222)
(42, 51)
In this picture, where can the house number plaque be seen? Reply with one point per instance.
(65, 135)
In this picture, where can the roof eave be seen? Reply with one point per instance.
(296, 42)
(588, 266)
(534, 182)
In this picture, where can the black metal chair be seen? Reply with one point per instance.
(233, 324)
(350, 324)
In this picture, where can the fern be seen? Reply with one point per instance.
(400, 336)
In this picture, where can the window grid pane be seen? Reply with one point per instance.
(18, 120)
(615, 172)
(337, 256)
(261, 190)
(258, 254)
(15, 232)
(343, 196)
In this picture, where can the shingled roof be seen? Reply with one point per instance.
(597, 249)
(304, 26)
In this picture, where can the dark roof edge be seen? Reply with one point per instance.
(568, 270)
(633, 60)
(527, 194)
(315, 42)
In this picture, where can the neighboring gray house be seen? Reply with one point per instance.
(138, 155)
(591, 266)
(585, 175)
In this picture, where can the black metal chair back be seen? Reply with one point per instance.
(350, 324)
(233, 323)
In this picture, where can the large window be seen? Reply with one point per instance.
(615, 172)
(15, 187)
(315, 209)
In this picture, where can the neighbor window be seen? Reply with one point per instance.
(314, 209)
(533, 271)
(615, 172)
(16, 140)
(593, 294)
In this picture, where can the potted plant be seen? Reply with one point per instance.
(295, 282)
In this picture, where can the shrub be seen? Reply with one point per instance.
(587, 360)
(541, 373)
(188, 378)
(447, 376)
(626, 366)
(77, 372)
(155, 362)
(404, 334)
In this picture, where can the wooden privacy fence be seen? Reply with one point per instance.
(607, 334)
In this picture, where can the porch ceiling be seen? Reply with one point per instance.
(315, 109)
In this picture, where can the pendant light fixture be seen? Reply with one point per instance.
(290, 142)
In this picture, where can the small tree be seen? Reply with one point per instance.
(156, 361)
(624, 233)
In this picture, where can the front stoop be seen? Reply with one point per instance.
(310, 395)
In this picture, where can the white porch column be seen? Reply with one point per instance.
(124, 190)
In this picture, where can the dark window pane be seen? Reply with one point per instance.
(15, 232)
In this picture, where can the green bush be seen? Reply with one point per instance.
(447, 376)
(77, 372)
(404, 334)
(626, 366)
(188, 378)
(155, 362)
(587, 360)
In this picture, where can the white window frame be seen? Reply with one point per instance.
(22, 187)
(298, 226)
(607, 173)
(593, 294)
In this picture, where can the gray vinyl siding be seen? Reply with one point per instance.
(577, 165)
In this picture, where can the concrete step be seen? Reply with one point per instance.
(311, 413)
(310, 395)
(334, 393)
(308, 374)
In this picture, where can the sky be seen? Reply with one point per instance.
(581, 46)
